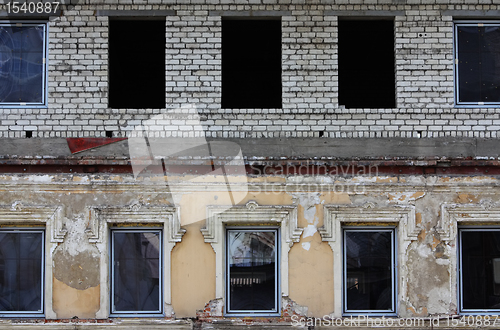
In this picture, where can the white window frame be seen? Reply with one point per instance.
(100, 221)
(276, 311)
(135, 230)
(392, 230)
(48, 218)
(43, 103)
(251, 214)
(337, 216)
(459, 104)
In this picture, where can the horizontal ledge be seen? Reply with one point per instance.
(471, 13)
(363, 13)
(250, 13)
(135, 13)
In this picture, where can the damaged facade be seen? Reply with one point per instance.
(201, 164)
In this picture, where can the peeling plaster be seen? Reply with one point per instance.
(309, 231)
(306, 246)
(405, 197)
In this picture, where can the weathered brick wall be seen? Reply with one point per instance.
(78, 77)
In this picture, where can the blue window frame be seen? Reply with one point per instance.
(136, 272)
(252, 272)
(479, 271)
(369, 271)
(477, 64)
(23, 64)
(21, 272)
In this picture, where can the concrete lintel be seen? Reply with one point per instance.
(363, 13)
(135, 13)
(471, 13)
(250, 13)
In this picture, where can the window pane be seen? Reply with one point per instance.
(479, 64)
(21, 63)
(21, 271)
(480, 266)
(136, 271)
(369, 269)
(252, 270)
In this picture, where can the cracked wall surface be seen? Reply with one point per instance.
(432, 208)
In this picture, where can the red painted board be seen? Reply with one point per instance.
(80, 144)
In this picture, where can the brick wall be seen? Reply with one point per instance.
(78, 78)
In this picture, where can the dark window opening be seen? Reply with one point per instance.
(251, 64)
(478, 67)
(21, 272)
(480, 270)
(369, 278)
(29, 134)
(136, 272)
(109, 134)
(366, 64)
(252, 274)
(136, 64)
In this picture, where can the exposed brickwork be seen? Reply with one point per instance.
(78, 76)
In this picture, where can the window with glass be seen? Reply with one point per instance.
(369, 271)
(252, 272)
(479, 270)
(21, 272)
(23, 65)
(477, 63)
(136, 272)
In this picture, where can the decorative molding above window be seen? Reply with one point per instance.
(100, 218)
(335, 216)
(454, 214)
(49, 216)
(251, 214)
(368, 213)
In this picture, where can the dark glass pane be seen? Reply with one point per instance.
(251, 64)
(481, 269)
(21, 64)
(252, 269)
(21, 271)
(369, 270)
(136, 271)
(479, 64)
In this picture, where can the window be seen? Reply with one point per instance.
(23, 66)
(477, 64)
(479, 270)
(136, 272)
(252, 272)
(251, 64)
(366, 64)
(369, 271)
(21, 272)
(137, 64)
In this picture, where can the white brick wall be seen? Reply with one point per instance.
(78, 81)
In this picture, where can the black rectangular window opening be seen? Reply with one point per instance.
(369, 271)
(21, 272)
(251, 64)
(252, 272)
(136, 272)
(137, 64)
(366, 64)
(479, 270)
(477, 72)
